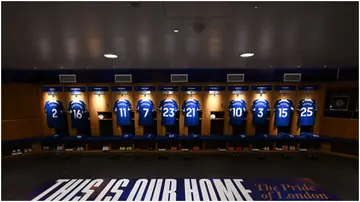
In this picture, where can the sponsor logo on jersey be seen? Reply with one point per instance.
(181, 190)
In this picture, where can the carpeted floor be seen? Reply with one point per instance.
(21, 175)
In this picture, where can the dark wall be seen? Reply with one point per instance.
(163, 75)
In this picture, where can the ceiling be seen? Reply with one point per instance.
(75, 35)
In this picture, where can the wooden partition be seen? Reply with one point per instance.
(21, 111)
(161, 96)
(339, 128)
(183, 97)
(115, 95)
(69, 97)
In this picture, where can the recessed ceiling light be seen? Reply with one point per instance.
(255, 7)
(298, 66)
(245, 55)
(109, 55)
(176, 30)
(325, 66)
(34, 67)
(61, 67)
(87, 67)
(270, 65)
(113, 67)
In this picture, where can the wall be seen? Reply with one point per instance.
(339, 128)
(21, 113)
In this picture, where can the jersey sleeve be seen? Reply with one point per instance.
(198, 105)
(244, 104)
(61, 106)
(299, 106)
(275, 105)
(114, 107)
(315, 106)
(137, 105)
(153, 106)
(129, 104)
(160, 105)
(46, 105)
(85, 107)
(268, 106)
(291, 105)
(253, 106)
(183, 106)
(69, 107)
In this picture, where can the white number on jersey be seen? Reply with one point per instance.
(283, 112)
(54, 115)
(190, 112)
(123, 112)
(77, 114)
(146, 111)
(237, 112)
(306, 112)
(261, 113)
(169, 112)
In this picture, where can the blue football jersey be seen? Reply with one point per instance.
(307, 109)
(283, 111)
(77, 110)
(54, 114)
(191, 109)
(237, 108)
(168, 107)
(122, 108)
(145, 108)
(260, 108)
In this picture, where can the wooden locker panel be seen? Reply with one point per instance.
(97, 103)
(114, 97)
(21, 128)
(69, 97)
(139, 130)
(230, 96)
(183, 97)
(60, 96)
(211, 103)
(291, 95)
(161, 96)
(250, 128)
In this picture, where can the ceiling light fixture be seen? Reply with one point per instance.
(176, 30)
(87, 67)
(109, 55)
(246, 55)
(113, 67)
(325, 66)
(61, 67)
(298, 66)
(255, 7)
(34, 67)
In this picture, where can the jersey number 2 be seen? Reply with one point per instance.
(54, 113)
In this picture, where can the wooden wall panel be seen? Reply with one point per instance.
(20, 101)
(98, 103)
(21, 128)
(115, 96)
(339, 128)
(21, 111)
(69, 97)
(183, 97)
(161, 96)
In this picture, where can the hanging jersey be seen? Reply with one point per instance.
(191, 109)
(237, 108)
(122, 108)
(260, 110)
(283, 111)
(168, 107)
(54, 114)
(77, 110)
(145, 108)
(307, 109)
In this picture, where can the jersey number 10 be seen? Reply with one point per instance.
(237, 112)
